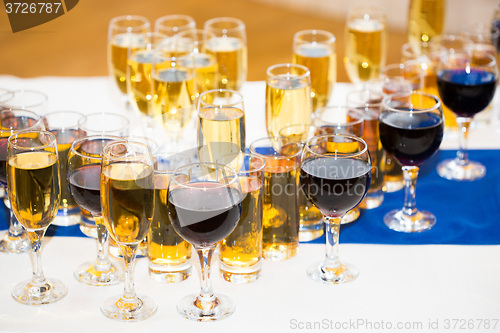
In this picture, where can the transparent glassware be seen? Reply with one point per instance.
(13, 121)
(411, 129)
(335, 175)
(466, 86)
(171, 25)
(204, 208)
(34, 193)
(26, 99)
(84, 175)
(127, 198)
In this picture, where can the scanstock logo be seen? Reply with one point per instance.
(31, 13)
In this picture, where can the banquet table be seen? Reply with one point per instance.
(443, 280)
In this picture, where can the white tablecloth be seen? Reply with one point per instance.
(433, 288)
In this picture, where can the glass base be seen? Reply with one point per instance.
(91, 275)
(189, 307)
(351, 216)
(15, 244)
(453, 170)
(240, 274)
(172, 275)
(279, 252)
(372, 200)
(309, 232)
(398, 221)
(342, 274)
(28, 293)
(142, 307)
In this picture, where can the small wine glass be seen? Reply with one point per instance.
(34, 193)
(335, 175)
(466, 86)
(26, 99)
(204, 206)
(84, 176)
(13, 121)
(411, 129)
(127, 199)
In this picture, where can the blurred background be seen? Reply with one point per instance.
(75, 43)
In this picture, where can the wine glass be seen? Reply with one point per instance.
(411, 129)
(171, 25)
(466, 86)
(127, 198)
(230, 49)
(204, 206)
(335, 175)
(366, 43)
(25, 99)
(425, 20)
(34, 193)
(13, 121)
(84, 176)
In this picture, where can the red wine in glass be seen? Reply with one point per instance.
(84, 184)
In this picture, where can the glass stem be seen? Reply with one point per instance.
(332, 229)
(410, 175)
(15, 228)
(206, 301)
(463, 133)
(36, 237)
(102, 263)
(129, 296)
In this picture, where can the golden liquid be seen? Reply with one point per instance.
(243, 247)
(140, 87)
(165, 246)
(425, 20)
(127, 195)
(365, 49)
(322, 63)
(231, 55)
(117, 56)
(206, 72)
(33, 180)
(220, 131)
(287, 103)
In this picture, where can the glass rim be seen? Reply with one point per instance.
(402, 94)
(168, 154)
(92, 138)
(145, 23)
(307, 72)
(189, 20)
(43, 96)
(216, 166)
(47, 145)
(370, 9)
(260, 168)
(63, 112)
(316, 32)
(240, 25)
(319, 111)
(37, 117)
(86, 116)
(203, 103)
(107, 147)
(365, 103)
(344, 155)
(196, 31)
(270, 140)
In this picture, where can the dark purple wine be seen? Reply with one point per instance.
(335, 186)
(84, 186)
(466, 92)
(206, 216)
(411, 139)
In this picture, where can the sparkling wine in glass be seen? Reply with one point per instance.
(34, 193)
(411, 129)
(204, 206)
(335, 175)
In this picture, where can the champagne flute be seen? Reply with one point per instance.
(84, 175)
(335, 175)
(366, 43)
(467, 86)
(425, 20)
(127, 198)
(230, 49)
(34, 193)
(124, 33)
(411, 129)
(204, 206)
(13, 121)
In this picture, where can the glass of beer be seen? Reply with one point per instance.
(124, 33)
(366, 43)
(205, 63)
(33, 187)
(311, 219)
(230, 49)
(240, 253)
(127, 198)
(369, 102)
(315, 49)
(341, 119)
(221, 124)
(169, 256)
(64, 125)
(280, 219)
(288, 97)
